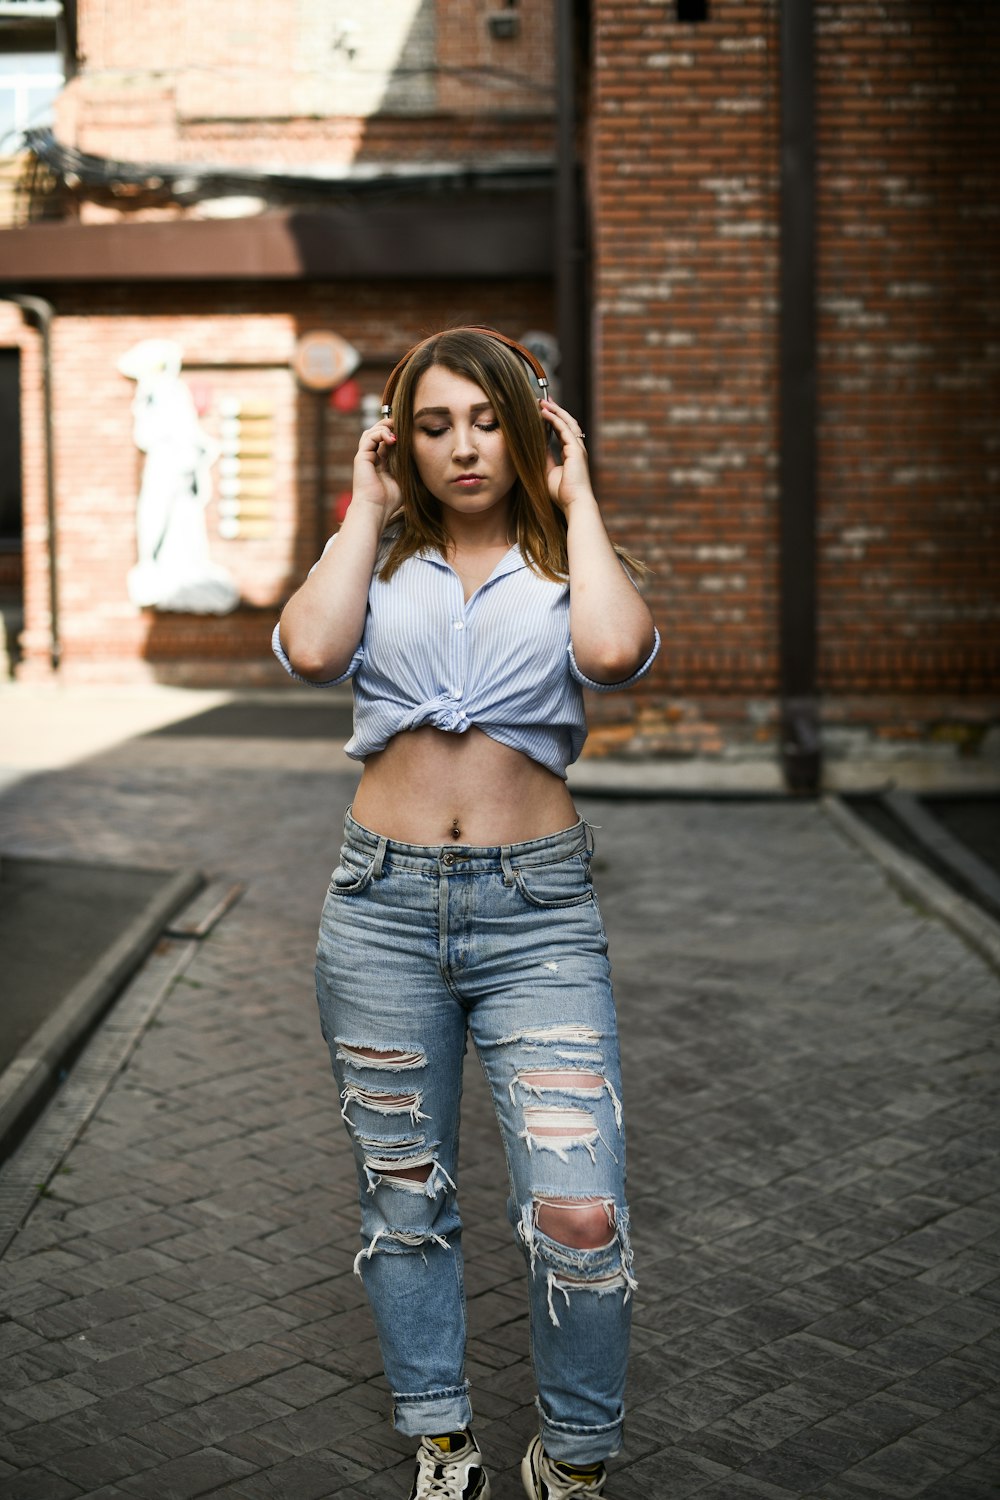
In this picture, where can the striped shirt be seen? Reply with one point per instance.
(501, 661)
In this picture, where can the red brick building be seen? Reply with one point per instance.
(392, 179)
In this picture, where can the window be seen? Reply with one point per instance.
(29, 83)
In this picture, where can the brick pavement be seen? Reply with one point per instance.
(811, 1080)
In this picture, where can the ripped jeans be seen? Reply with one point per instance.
(418, 946)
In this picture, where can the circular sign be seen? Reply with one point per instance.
(322, 360)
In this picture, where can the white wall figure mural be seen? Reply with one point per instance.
(174, 570)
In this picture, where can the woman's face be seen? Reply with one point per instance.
(460, 453)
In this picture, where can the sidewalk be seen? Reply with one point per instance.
(811, 1079)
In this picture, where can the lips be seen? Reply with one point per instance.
(469, 481)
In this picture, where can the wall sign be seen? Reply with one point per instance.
(323, 360)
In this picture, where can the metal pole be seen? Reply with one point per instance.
(570, 305)
(321, 523)
(43, 312)
(800, 737)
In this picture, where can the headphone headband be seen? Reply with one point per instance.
(533, 364)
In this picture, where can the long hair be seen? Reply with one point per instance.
(539, 525)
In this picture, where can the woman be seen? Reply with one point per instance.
(470, 592)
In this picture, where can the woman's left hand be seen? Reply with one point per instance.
(571, 478)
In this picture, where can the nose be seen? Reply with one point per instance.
(464, 446)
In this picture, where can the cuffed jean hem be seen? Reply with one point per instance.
(432, 1413)
(583, 1445)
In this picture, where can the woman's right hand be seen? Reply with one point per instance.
(373, 484)
(323, 622)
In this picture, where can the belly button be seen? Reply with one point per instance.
(456, 832)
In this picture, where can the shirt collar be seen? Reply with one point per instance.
(509, 563)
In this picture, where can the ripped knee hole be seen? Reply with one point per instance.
(412, 1174)
(381, 1057)
(579, 1223)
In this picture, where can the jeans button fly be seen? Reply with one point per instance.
(448, 859)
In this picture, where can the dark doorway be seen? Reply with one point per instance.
(11, 524)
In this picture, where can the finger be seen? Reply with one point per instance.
(556, 410)
(566, 426)
(373, 437)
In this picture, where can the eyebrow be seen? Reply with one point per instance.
(445, 411)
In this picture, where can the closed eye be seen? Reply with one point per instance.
(434, 432)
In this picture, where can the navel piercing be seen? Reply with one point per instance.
(456, 832)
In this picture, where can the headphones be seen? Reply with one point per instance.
(533, 364)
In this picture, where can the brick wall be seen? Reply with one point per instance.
(682, 132)
(683, 146)
(909, 392)
(237, 346)
(314, 82)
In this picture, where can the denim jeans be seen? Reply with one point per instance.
(418, 946)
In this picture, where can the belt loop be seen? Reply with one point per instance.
(505, 865)
(379, 858)
(590, 842)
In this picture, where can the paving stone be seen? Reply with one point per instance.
(113, 1415)
(744, 1487)
(183, 1478)
(99, 1464)
(302, 1385)
(957, 1487)
(38, 1484)
(37, 1442)
(904, 1351)
(308, 1478)
(51, 1398)
(39, 1363)
(680, 1474)
(947, 1383)
(792, 1469)
(14, 1338)
(901, 1469)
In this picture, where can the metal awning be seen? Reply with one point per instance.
(425, 236)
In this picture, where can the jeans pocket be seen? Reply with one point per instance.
(565, 883)
(351, 875)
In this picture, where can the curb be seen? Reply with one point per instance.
(30, 1078)
(978, 929)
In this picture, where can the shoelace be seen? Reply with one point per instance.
(570, 1487)
(576, 1487)
(443, 1486)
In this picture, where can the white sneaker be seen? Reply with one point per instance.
(450, 1468)
(545, 1480)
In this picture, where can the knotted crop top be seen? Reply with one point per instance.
(501, 661)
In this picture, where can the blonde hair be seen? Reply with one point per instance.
(539, 525)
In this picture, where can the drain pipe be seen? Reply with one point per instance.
(43, 312)
(800, 722)
(569, 235)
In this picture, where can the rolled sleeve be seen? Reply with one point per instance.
(279, 652)
(613, 687)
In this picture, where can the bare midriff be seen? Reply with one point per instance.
(431, 787)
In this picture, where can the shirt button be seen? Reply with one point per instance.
(459, 625)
